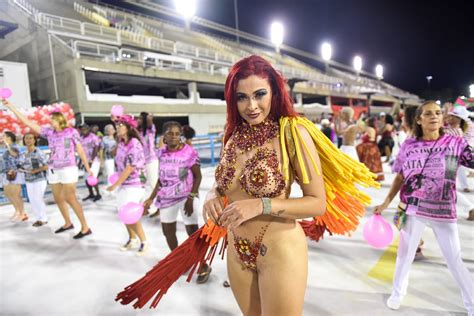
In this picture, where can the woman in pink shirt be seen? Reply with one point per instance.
(177, 189)
(426, 168)
(64, 142)
(130, 162)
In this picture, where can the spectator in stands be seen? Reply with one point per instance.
(91, 144)
(63, 173)
(130, 162)
(178, 187)
(426, 169)
(35, 164)
(12, 177)
(108, 150)
(188, 133)
(147, 131)
(386, 143)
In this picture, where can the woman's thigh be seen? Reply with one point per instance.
(244, 285)
(282, 276)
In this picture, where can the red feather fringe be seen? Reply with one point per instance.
(190, 255)
(313, 230)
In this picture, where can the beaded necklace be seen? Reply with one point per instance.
(245, 138)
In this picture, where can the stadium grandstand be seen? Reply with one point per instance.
(93, 55)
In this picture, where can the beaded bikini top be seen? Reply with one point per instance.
(261, 176)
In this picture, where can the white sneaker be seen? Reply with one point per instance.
(393, 303)
(143, 249)
(131, 243)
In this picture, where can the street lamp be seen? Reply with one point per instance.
(326, 54)
(276, 35)
(357, 64)
(429, 78)
(187, 8)
(379, 71)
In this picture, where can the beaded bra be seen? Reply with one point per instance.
(261, 176)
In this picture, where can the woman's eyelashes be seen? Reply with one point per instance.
(258, 95)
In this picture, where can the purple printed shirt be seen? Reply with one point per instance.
(176, 177)
(90, 143)
(429, 185)
(149, 143)
(130, 154)
(62, 145)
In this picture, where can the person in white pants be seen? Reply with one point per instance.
(109, 147)
(426, 169)
(35, 163)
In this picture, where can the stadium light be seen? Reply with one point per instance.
(276, 34)
(379, 71)
(438, 102)
(471, 91)
(326, 51)
(357, 63)
(187, 8)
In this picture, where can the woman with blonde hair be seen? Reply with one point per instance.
(63, 174)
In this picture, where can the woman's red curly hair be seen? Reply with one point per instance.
(282, 104)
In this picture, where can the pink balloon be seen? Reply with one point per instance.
(92, 181)
(377, 232)
(5, 93)
(113, 178)
(130, 213)
(117, 110)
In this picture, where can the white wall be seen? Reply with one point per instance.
(15, 77)
(205, 123)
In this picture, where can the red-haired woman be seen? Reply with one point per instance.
(266, 147)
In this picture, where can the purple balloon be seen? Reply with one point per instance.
(377, 232)
(117, 110)
(113, 178)
(5, 93)
(130, 213)
(92, 181)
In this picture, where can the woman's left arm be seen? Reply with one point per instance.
(188, 206)
(313, 202)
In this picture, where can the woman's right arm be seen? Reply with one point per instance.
(213, 205)
(35, 127)
(396, 185)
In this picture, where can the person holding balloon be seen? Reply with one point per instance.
(12, 178)
(64, 142)
(130, 162)
(426, 168)
(91, 144)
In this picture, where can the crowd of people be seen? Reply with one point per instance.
(428, 152)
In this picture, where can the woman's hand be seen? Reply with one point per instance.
(240, 211)
(147, 204)
(380, 208)
(213, 209)
(188, 207)
(111, 188)
(7, 104)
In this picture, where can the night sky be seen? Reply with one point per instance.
(411, 39)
